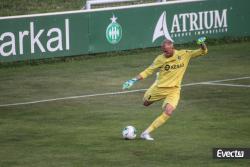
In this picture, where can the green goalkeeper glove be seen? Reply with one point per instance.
(201, 40)
(129, 83)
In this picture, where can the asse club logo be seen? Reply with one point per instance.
(114, 31)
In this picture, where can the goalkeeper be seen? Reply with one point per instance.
(171, 66)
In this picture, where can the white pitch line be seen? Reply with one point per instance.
(111, 93)
(71, 97)
(221, 84)
(84, 96)
(232, 79)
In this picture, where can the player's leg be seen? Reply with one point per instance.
(168, 109)
(160, 120)
(151, 95)
(169, 106)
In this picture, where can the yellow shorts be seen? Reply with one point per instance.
(170, 95)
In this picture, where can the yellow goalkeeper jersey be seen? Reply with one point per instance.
(171, 70)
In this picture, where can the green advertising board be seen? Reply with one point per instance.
(86, 32)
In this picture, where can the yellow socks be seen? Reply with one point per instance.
(157, 122)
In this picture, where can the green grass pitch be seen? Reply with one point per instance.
(87, 131)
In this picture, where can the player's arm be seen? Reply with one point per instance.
(203, 48)
(144, 74)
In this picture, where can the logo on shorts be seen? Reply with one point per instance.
(114, 31)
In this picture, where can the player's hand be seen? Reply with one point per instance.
(201, 40)
(128, 84)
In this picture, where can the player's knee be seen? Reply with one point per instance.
(169, 112)
(169, 109)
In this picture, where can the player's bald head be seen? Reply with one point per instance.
(168, 47)
(167, 42)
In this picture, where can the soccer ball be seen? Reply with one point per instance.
(129, 132)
